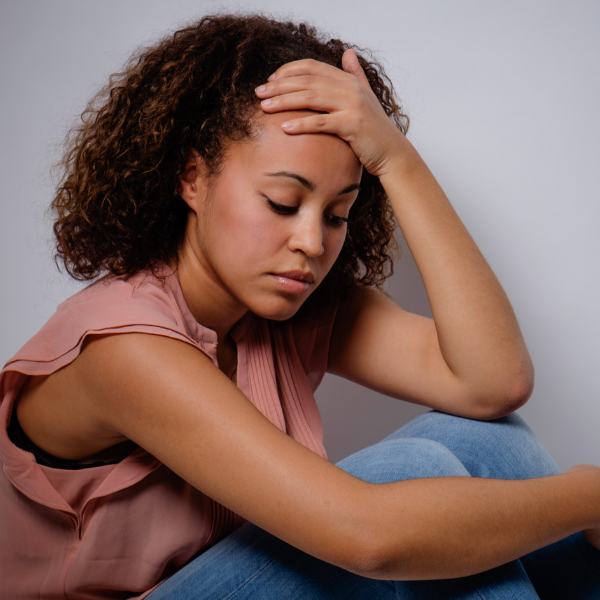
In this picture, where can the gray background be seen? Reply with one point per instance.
(504, 99)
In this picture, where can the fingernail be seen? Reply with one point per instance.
(286, 125)
(260, 89)
(266, 102)
(271, 77)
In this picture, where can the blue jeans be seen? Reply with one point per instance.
(251, 564)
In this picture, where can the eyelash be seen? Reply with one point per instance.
(281, 209)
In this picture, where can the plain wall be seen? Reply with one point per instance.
(503, 98)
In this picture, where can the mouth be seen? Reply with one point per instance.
(294, 282)
(305, 276)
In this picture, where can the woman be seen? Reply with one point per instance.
(237, 186)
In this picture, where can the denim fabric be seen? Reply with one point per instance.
(252, 564)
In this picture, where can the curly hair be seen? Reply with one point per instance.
(118, 208)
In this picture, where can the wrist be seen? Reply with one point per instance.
(587, 479)
(402, 163)
(395, 151)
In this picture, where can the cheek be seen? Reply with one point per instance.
(333, 245)
(260, 233)
(245, 229)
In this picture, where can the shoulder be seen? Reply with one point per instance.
(115, 301)
(143, 303)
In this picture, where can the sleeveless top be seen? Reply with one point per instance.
(118, 530)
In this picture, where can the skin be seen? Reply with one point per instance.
(236, 240)
(469, 360)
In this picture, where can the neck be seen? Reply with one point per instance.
(209, 302)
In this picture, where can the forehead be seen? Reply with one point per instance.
(322, 157)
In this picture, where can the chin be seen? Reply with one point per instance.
(280, 310)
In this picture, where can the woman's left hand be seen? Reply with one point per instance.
(348, 108)
(472, 360)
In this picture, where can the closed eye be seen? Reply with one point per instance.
(282, 209)
(336, 221)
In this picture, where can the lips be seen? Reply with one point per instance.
(296, 283)
(305, 276)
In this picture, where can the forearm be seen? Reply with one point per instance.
(454, 527)
(483, 356)
(478, 333)
(210, 435)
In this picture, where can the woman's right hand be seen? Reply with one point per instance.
(592, 535)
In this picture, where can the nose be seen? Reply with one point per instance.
(307, 236)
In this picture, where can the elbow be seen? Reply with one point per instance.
(368, 542)
(372, 560)
(508, 397)
(376, 555)
(385, 558)
(519, 393)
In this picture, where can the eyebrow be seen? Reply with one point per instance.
(309, 185)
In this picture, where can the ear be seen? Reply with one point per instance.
(193, 182)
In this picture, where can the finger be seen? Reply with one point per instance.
(288, 85)
(318, 100)
(323, 123)
(584, 467)
(307, 66)
(351, 65)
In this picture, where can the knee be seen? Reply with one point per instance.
(401, 459)
(505, 448)
(442, 426)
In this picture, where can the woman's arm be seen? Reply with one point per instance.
(170, 399)
(377, 344)
(472, 359)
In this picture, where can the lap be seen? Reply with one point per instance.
(251, 564)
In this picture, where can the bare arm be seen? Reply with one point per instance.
(377, 344)
(472, 359)
(170, 399)
(476, 329)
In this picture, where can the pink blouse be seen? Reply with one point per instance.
(117, 531)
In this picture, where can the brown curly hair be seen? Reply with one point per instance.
(118, 208)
